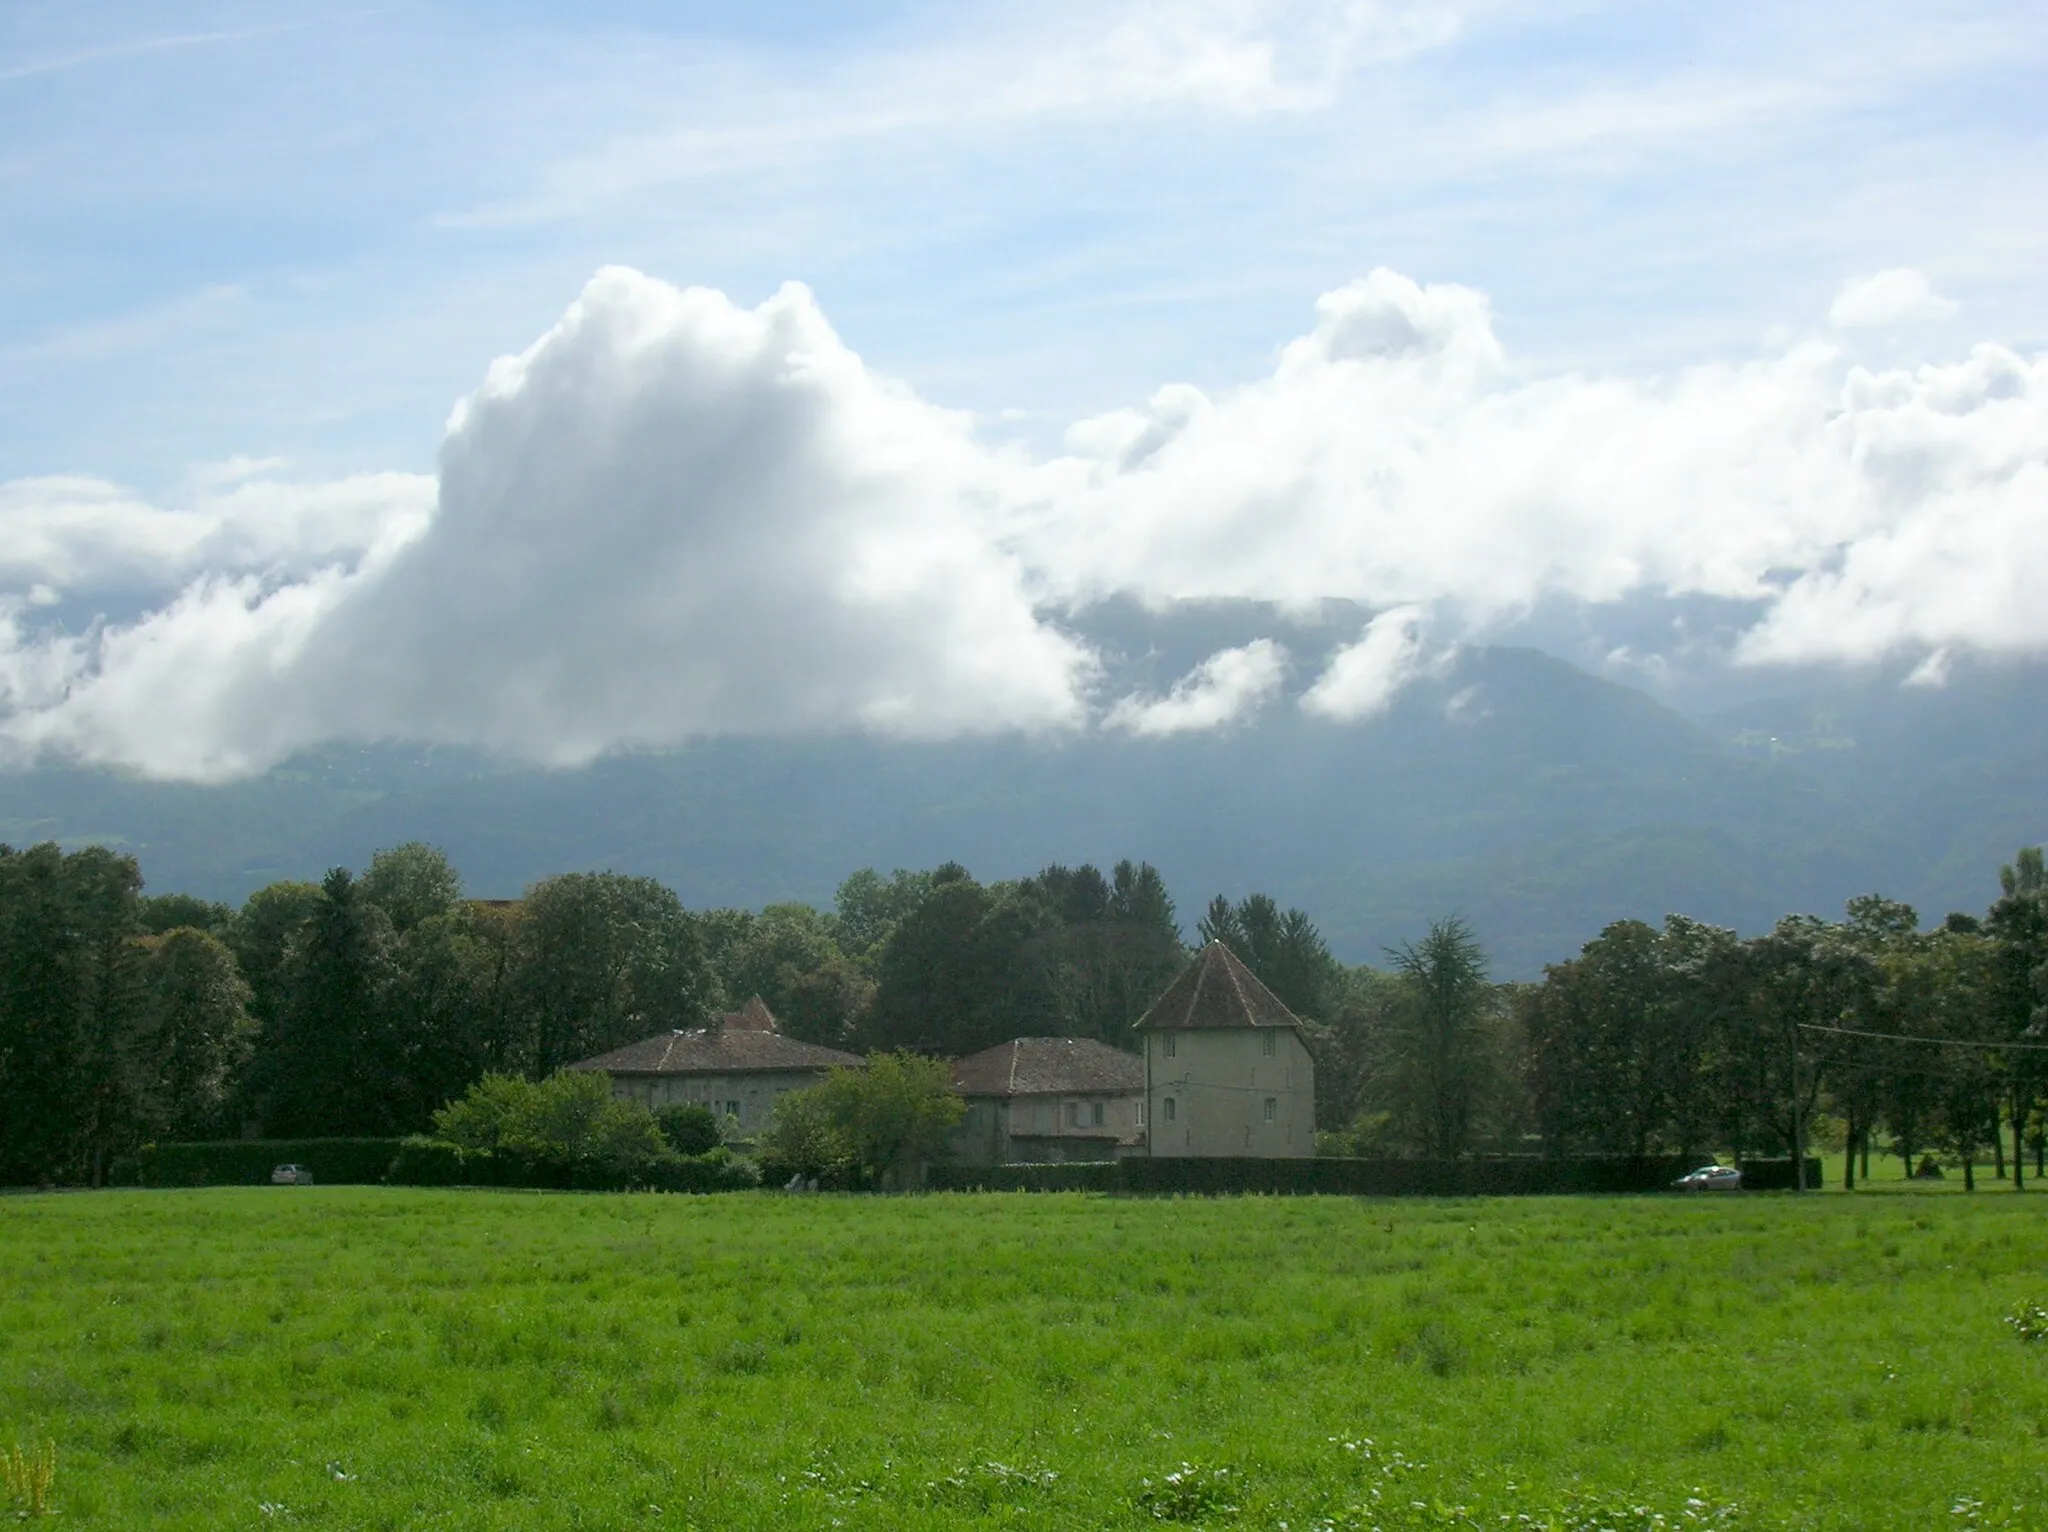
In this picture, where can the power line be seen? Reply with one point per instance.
(1939, 1042)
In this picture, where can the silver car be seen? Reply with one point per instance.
(291, 1175)
(1710, 1178)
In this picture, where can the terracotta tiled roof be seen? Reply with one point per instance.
(1037, 1066)
(718, 1050)
(1216, 990)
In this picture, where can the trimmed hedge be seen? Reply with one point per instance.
(1071, 1176)
(1776, 1175)
(423, 1162)
(428, 1162)
(249, 1162)
(1519, 1177)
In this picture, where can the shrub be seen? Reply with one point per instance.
(688, 1127)
(428, 1162)
(864, 1125)
(716, 1170)
(571, 1122)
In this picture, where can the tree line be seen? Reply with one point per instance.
(362, 1005)
(1686, 1039)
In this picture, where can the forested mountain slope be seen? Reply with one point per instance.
(1538, 800)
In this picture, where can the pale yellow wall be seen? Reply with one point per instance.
(1219, 1080)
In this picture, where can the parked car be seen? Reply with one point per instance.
(1710, 1178)
(291, 1175)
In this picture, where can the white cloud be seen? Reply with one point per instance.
(1394, 456)
(1229, 685)
(85, 535)
(673, 518)
(1363, 678)
(1238, 58)
(1899, 296)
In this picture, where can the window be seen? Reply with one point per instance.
(1269, 1043)
(1097, 1114)
(1073, 1114)
(1169, 1109)
(1041, 1118)
(1139, 1115)
(732, 1110)
(1169, 1040)
(1272, 1109)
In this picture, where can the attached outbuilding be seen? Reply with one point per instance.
(739, 1066)
(1046, 1100)
(1227, 1072)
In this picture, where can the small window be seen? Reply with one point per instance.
(732, 1110)
(1073, 1114)
(1098, 1113)
(1169, 1109)
(1169, 1044)
(1139, 1115)
(1269, 1043)
(1272, 1109)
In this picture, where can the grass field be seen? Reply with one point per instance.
(345, 1358)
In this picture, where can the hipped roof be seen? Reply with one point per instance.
(740, 1042)
(1043, 1066)
(1216, 991)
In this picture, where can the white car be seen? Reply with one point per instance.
(1710, 1178)
(291, 1175)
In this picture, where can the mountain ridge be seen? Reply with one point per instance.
(1539, 800)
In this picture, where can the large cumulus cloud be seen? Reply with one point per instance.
(675, 517)
(671, 517)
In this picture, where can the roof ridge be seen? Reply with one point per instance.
(1244, 1000)
(1201, 978)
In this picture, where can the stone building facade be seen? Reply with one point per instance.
(739, 1066)
(1044, 1100)
(1226, 1070)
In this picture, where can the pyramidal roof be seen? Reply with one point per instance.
(754, 1016)
(1214, 991)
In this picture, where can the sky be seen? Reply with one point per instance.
(560, 380)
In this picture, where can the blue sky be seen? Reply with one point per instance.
(430, 370)
(304, 229)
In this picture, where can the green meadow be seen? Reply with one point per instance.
(384, 1358)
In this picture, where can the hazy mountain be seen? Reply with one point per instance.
(1539, 800)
